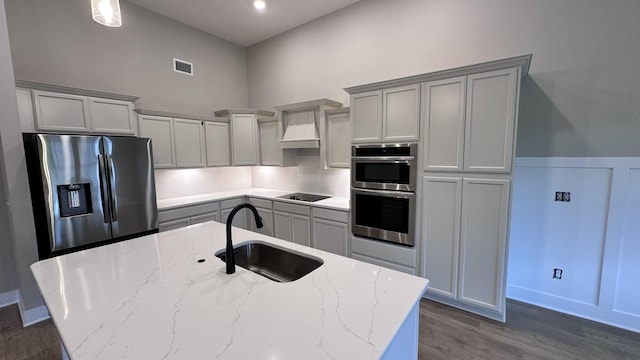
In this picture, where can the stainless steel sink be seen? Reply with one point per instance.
(273, 262)
(304, 197)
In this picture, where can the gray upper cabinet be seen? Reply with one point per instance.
(59, 109)
(270, 151)
(338, 138)
(217, 143)
(112, 116)
(401, 114)
(444, 109)
(469, 122)
(244, 139)
(61, 112)
(160, 130)
(490, 121)
(189, 143)
(366, 117)
(389, 115)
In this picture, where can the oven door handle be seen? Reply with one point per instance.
(387, 193)
(383, 158)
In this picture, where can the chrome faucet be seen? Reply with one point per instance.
(229, 256)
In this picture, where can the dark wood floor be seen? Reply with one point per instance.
(530, 333)
(445, 333)
(38, 341)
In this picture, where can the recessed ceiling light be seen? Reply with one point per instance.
(260, 5)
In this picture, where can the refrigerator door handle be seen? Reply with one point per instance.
(103, 189)
(113, 204)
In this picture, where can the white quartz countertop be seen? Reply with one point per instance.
(333, 202)
(149, 298)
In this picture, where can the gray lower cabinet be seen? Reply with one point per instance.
(240, 219)
(265, 210)
(188, 215)
(396, 257)
(292, 222)
(330, 230)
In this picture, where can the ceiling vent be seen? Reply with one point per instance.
(182, 67)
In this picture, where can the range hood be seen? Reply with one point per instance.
(300, 123)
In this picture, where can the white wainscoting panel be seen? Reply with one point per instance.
(594, 238)
(627, 295)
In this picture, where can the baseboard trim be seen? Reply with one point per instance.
(586, 311)
(33, 316)
(468, 308)
(9, 298)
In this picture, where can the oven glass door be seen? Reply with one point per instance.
(384, 174)
(384, 215)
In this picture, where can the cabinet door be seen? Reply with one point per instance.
(189, 142)
(441, 207)
(443, 114)
(366, 117)
(483, 242)
(330, 236)
(490, 121)
(25, 110)
(214, 216)
(61, 112)
(301, 229)
(239, 220)
(173, 224)
(282, 225)
(270, 151)
(112, 116)
(338, 149)
(244, 139)
(217, 143)
(160, 131)
(267, 222)
(401, 120)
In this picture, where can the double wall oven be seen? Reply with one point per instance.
(383, 185)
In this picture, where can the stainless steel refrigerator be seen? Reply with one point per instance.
(89, 190)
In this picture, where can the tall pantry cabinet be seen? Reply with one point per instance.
(465, 122)
(468, 146)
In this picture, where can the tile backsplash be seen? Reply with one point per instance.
(308, 176)
(171, 183)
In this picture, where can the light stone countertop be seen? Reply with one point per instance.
(149, 298)
(334, 203)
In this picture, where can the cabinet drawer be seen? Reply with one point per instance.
(188, 211)
(292, 208)
(261, 203)
(380, 250)
(383, 263)
(231, 203)
(335, 215)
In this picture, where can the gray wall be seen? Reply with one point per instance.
(17, 232)
(57, 42)
(582, 97)
(8, 277)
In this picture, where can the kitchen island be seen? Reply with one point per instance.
(154, 298)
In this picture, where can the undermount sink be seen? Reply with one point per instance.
(275, 263)
(304, 197)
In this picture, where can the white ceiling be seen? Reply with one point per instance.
(237, 20)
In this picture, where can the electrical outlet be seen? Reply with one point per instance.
(563, 196)
(557, 273)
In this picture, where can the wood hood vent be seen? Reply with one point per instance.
(301, 121)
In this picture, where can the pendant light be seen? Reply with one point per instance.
(106, 12)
